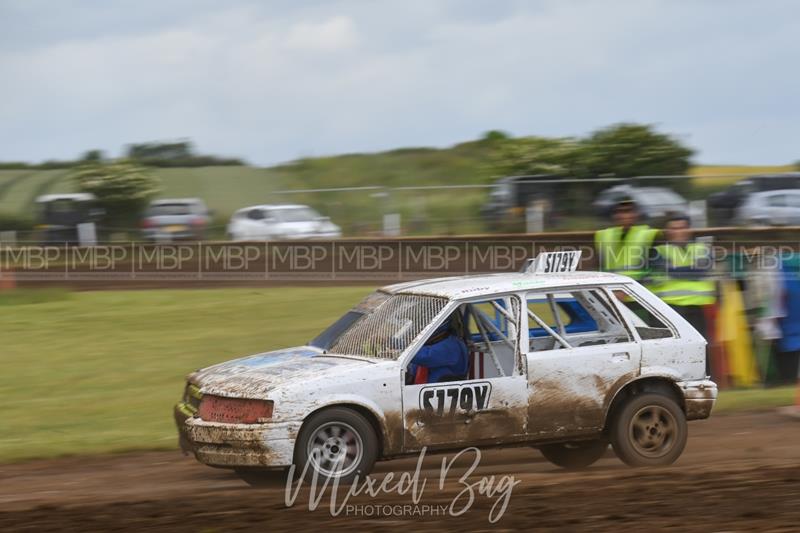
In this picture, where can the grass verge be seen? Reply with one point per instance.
(753, 399)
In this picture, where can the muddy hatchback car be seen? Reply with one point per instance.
(564, 361)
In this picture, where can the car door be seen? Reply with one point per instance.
(779, 212)
(250, 223)
(794, 208)
(580, 350)
(489, 403)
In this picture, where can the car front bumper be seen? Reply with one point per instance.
(236, 445)
(698, 398)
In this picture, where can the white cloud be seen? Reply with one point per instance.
(335, 33)
(271, 82)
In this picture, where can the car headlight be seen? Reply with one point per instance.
(234, 410)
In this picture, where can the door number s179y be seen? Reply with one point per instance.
(446, 400)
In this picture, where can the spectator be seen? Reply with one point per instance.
(623, 248)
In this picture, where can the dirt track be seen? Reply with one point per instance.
(738, 473)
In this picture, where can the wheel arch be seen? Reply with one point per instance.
(370, 413)
(664, 384)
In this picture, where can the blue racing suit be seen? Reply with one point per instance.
(445, 358)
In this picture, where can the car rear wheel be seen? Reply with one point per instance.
(574, 455)
(649, 430)
(337, 443)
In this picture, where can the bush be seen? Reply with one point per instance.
(122, 188)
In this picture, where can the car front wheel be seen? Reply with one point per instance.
(649, 430)
(574, 455)
(337, 443)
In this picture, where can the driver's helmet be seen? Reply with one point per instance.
(442, 332)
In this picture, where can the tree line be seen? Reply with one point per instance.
(153, 154)
(623, 150)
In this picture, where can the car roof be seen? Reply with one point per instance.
(462, 287)
(163, 201)
(776, 192)
(273, 206)
(78, 196)
(779, 175)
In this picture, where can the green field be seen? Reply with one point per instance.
(90, 372)
(94, 372)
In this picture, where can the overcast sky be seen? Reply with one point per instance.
(275, 80)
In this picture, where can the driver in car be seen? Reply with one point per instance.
(442, 358)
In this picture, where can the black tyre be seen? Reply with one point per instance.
(574, 455)
(649, 430)
(336, 443)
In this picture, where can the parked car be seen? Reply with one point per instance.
(560, 360)
(58, 216)
(509, 196)
(654, 203)
(176, 219)
(723, 206)
(277, 222)
(770, 208)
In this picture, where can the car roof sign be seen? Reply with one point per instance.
(553, 262)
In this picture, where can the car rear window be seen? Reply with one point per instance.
(169, 209)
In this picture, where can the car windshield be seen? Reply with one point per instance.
(64, 211)
(296, 214)
(169, 209)
(382, 325)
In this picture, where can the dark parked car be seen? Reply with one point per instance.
(654, 203)
(509, 196)
(723, 206)
(176, 219)
(58, 216)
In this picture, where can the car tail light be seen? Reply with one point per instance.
(234, 410)
(198, 222)
(147, 223)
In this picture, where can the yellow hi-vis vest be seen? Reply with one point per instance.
(676, 291)
(626, 256)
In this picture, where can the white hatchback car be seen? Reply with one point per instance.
(280, 222)
(564, 361)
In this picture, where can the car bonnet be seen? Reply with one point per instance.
(257, 375)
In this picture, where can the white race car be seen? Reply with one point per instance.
(564, 361)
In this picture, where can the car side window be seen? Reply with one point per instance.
(490, 329)
(255, 214)
(647, 323)
(484, 316)
(777, 200)
(571, 319)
